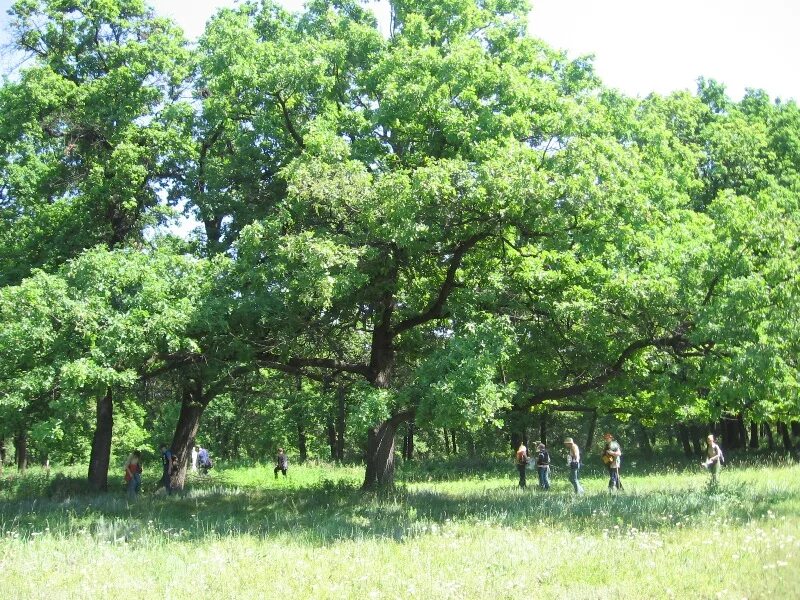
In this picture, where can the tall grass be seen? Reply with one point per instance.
(240, 533)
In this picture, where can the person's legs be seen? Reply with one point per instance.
(547, 478)
(715, 468)
(284, 471)
(132, 487)
(167, 482)
(522, 482)
(137, 477)
(542, 476)
(276, 471)
(573, 477)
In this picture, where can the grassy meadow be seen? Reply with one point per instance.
(449, 530)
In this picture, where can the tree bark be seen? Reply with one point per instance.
(331, 430)
(446, 441)
(592, 427)
(795, 427)
(2, 453)
(683, 432)
(697, 441)
(341, 420)
(770, 439)
(302, 445)
(380, 452)
(21, 450)
(101, 442)
(193, 403)
(753, 435)
(742, 430)
(453, 438)
(785, 437)
(409, 443)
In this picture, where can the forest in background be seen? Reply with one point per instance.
(453, 236)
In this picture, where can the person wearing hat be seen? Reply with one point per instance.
(522, 463)
(574, 464)
(543, 466)
(612, 454)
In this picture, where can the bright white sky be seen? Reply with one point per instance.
(639, 45)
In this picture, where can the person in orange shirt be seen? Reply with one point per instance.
(522, 463)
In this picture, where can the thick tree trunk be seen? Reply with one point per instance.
(101, 443)
(543, 429)
(795, 426)
(770, 439)
(683, 433)
(21, 450)
(753, 435)
(380, 452)
(742, 430)
(302, 441)
(446, 441)
(193, 404)
(592, 427)
(408, 441)
(785, 437)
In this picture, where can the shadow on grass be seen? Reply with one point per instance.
(328, 511)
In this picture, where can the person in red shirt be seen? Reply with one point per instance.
(133, 473)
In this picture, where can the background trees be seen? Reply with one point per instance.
(454, 232)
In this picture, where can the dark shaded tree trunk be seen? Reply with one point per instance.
(302, 445)
(770, 439)
(341, 420)
(644, 440)
(193, 403)
(453, 438)
(446, 441)
(2, 453)
(683, 433)
(783, 431)
(592, 427)
(380, 452)
(697, 440)
(331, 429)
(543, 429)
(101, 443)
(753, 435)
(408, 442)
(795, 426)
(21, 450)
(742, 430)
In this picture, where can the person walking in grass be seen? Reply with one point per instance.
(522, 463)
(133, 473)
(281, 463)
(612, 458)
(574, 464)
(714, 459)
(167, 463)
(543, 466)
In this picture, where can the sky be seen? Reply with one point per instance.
(640, 46)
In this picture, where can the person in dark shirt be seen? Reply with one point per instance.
(543, 466)
(281, 463)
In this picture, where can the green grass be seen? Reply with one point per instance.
(459, 530)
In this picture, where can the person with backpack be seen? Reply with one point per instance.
(543, 466)
(714, 459)
(133, 473)
(612, 458)
(168, 463)
(574, 464)
(281, 463)
(204, 460)
(521, 457)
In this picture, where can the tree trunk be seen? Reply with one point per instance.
(21, 450)
(592, 427)
(770, 439)
(380, 452)
(446, 441)
(331, 429)
(742, 430)
(644, 440)
(753, 435)
(408, 442)
(697, 441)
(193, 403)
(101, 443)
(795, 426)
(2, 453)
(341, 420)
(302, 445)
(785, 437)
(683, 433)
(453, 438)
(543, 429)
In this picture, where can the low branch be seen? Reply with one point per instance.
(436, 309)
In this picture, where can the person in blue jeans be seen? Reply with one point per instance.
(166, 461)
(543, 466)
(574, 464)
(133, 473)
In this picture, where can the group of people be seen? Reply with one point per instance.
(611, 456)
(200, 461)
